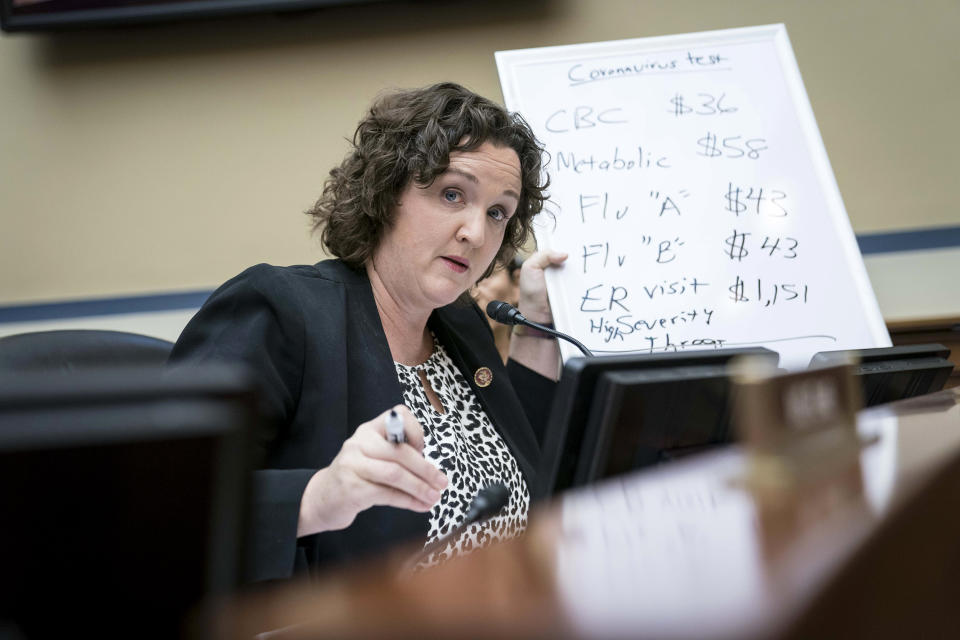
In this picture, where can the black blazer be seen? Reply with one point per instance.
(313, 336)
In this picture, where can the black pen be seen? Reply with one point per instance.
(395, 427)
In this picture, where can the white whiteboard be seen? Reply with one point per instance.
(691, 188)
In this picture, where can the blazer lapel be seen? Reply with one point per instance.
(467, 338)
(372, 383)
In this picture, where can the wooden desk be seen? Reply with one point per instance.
(868, 548)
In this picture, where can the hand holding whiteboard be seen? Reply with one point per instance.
(691, 188)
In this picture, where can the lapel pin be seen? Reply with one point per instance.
(483, 377)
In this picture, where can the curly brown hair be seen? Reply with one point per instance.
(409, 135)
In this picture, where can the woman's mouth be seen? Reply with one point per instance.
(456, 263)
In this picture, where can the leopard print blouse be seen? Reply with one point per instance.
(463, 444)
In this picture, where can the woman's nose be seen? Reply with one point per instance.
(472, 228)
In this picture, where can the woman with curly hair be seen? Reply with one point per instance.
(440, 186)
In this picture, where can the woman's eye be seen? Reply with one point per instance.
(497, 214)
(451, 196)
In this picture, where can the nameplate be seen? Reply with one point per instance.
(795, 425)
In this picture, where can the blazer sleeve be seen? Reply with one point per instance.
(254, 319)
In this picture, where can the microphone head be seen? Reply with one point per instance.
(504, 313)
(490, 500)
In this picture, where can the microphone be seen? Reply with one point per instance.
(488, 502)
(505, 313)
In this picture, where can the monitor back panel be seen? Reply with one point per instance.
(563, 441)
(643, 418)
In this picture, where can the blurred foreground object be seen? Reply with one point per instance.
(123, 498)
(865, 548)
(794, 425)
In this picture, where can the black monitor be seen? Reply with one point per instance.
(122, 498)
(567, 444)
(894, 373)
(642, 418)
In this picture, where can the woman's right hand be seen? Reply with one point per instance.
(369, 470)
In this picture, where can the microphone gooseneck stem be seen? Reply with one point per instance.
(554, 332)
(488, 502)
(506, 313)
(440, 543)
